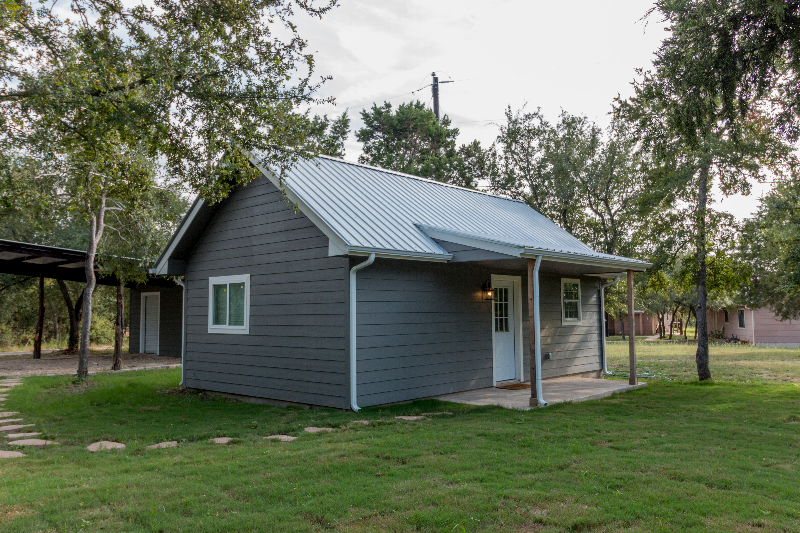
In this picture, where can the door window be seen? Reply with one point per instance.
(501, 310)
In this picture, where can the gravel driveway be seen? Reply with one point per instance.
(59, 363)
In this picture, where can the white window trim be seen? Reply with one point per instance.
(744, 316)
(141, 322)
(517, 290)
(234, 330)
(571, 321)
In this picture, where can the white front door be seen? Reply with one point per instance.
(150, 317)
(504, 349)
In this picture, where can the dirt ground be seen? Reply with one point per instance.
(60, 363)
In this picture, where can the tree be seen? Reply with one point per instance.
(699, 135)
(103, 90)
(770, 249)
(408, 140)
(330, 134)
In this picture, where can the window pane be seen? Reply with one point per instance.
(741, 318)
(236, 317)
(220, 305)
(570, 291)
(571, 310)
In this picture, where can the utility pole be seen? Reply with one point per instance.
(435, 91)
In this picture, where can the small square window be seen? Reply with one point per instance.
(741, 318)
(229, 304)
(570, 301)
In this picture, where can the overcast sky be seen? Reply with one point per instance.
(575, 56)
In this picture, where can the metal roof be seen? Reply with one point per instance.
(367, 209)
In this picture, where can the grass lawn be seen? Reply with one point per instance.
(675, 456)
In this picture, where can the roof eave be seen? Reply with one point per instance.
(580, 259)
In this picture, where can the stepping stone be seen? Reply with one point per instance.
(282, 438)
(12, 427)
(9, 420)
(410, 417)
(312, 429)
(168, 444)
(221, 440)
(36, 443)
(2, 398)
(4, 414)
(365, 422)
(22, 435)
(105, 445)
(4, 454)
(437, 413)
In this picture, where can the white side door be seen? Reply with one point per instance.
(151, 310)
(504, 335)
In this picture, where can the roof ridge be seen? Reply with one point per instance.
(418, 178)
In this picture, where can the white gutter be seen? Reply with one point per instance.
(537, 346)
(353, 349)
(602, 318)
(183, 325)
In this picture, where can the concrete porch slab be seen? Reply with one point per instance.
(556, 390)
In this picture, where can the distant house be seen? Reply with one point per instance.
(756, 326)
(646, 324)
(379, 287)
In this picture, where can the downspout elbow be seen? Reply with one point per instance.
(353, 332)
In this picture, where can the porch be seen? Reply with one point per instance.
(556, 390)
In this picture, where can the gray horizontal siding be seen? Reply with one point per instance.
(296, 349)
(170, 316)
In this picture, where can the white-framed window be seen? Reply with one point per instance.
(229, 304)
(570, 301)
(741, 319)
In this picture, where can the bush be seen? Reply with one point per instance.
(102, 330)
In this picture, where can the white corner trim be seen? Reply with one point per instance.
(141, 321)
(230, 330)
(516, 281)
(571, 321)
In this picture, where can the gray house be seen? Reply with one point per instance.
(371, 287)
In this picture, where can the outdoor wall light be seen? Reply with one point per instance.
(488, 292)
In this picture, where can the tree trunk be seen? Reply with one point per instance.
(37, 336)
(56, 325)
(621, 325)
(703, 370)
(118, 328)
(72, 312)
(96, 226)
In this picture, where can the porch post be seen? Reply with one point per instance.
(532, 334)
(534, 328)
(632, 333)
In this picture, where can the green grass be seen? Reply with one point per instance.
(729, 362)
(675, 456)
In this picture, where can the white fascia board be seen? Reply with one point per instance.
(481, 243)
(579, 259)
(337, 241)
(400, 254)
(161, 265)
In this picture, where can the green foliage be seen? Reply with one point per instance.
(330, 134)
(593, 184)
(770, 249)
(408, 140)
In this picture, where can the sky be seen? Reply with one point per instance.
(576, 56)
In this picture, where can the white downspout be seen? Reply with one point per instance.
(183, 325)
(603, 320)
(353, 349)
(537, 346)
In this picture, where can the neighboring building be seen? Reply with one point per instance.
(645, 324)
(756, 326)
(379, 287)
